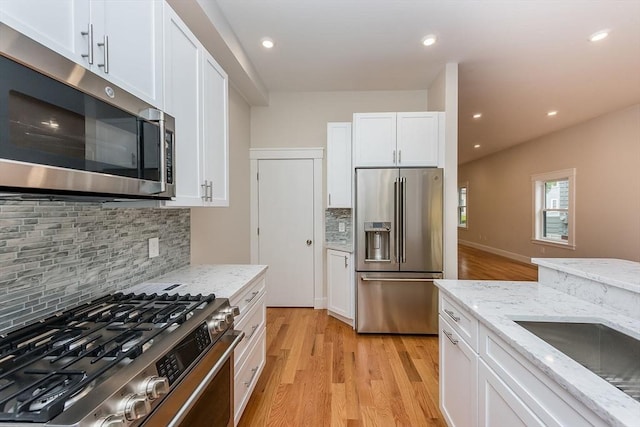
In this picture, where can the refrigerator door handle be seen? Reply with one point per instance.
(396, 218)
(403, 189)
(391, 279)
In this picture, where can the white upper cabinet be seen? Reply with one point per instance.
(397, 139)
(119, 40)
(417, 142)
(196, 94)
(215, 130)
(182, 89)
(374, 139)
(338, 165)
(55, 24)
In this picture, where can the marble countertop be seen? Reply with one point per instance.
(496, 304)
(339, 246)
(224, 280)
(614, 272)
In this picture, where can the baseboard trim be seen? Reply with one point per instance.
(496, 251)
(320, 303)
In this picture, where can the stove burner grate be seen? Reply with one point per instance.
(48, 366)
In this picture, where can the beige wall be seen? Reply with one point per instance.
(221, 235)
(299, 119)
(606, 154)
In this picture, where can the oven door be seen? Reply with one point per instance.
(204, 398)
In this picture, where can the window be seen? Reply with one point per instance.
(462, 205)
(553, 208)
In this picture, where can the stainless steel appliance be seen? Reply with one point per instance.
(398, 249)
(66, 131)
(123, 360)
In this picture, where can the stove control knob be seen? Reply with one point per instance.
(136, 407)
(217, 325)
(155, 387)
(111, 421)
(235, 310)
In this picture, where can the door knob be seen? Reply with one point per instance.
(309, 242)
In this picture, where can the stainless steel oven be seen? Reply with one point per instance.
(123, 360)
(67, 131)
(204, 397)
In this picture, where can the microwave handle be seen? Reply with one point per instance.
(155, 115)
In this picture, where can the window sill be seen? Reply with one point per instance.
(554, 244)
(463, 227)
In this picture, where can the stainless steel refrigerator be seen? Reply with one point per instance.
(398, 230)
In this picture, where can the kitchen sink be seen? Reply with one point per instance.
(610, 354)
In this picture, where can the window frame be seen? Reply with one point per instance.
(538, 182)
(464, 185)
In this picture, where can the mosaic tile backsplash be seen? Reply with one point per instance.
(54, 255)
(331, 226)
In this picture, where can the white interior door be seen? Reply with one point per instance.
(285, 221)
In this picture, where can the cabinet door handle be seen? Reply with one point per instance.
(254, 371)
(450, 336)
(253, 331)
(105, 46)
(253, 295)
(329, 199)
(210, 196)
(399, 156)
(394, 156)
(346, 264)
(452, 315)
(89, 34)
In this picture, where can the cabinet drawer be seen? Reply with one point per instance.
(252, 324)
(248, 297)
(247, 375)
(461, 320)
(546, 399)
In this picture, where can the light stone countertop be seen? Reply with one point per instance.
(615, 272)
(339, 246)
(224, 280)
(496, 304)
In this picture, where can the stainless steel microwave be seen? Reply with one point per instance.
(67, 132)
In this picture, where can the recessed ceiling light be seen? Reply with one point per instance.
(267, 43)
(595, 37)
(476, 146)
(429, 40)
(477, 115)
(552, 113)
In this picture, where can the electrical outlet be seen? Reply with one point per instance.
(341, 227)
(154, 247)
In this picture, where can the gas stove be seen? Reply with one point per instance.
(110, 362)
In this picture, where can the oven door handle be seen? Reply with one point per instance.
(184, 410)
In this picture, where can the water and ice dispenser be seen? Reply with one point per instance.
(377, 241)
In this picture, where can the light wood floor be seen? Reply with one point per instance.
(319, 372)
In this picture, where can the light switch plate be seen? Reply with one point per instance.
(154, 247)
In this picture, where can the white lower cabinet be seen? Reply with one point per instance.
(458, 378)
(485, 382)
(249, 355)
(340, 289)
(498, 404)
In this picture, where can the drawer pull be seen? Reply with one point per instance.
(453, 316)
(253, 331)
(451, 338)
(253, 374)
(253, 295)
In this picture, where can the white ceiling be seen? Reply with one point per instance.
(517, 59)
